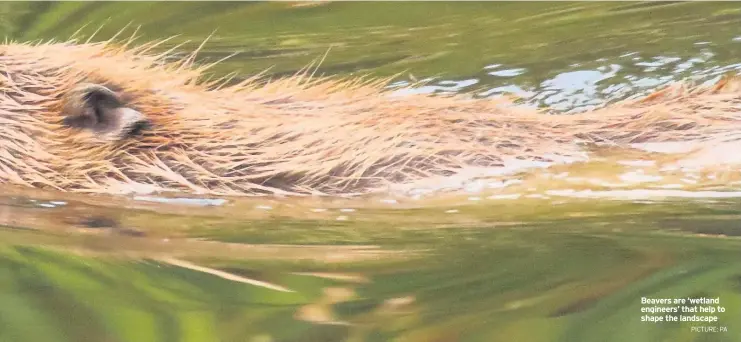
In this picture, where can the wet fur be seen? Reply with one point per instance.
(298, 135)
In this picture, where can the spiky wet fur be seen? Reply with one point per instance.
(298, 135)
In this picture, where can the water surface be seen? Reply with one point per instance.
(567, 55)
(548, 255)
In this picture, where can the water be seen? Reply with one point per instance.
(570, 56)
(529, 270)
(562, 254)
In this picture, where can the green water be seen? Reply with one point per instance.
(92, 268)
(567, 55)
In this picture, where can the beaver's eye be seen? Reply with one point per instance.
(99, 109)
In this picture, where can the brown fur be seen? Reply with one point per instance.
(297, 135)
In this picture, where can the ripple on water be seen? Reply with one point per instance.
(561, 175)
(637, 163)
(643, 194)
(586, 84)
(503, 184)
(206, 202)
(49, 204)
(505, 197)
(668, 186)
(639, 177)
(508, 72)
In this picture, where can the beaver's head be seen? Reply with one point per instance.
(98, 117)
(103, 112)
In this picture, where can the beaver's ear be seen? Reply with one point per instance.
(101, 110)
(97, 95)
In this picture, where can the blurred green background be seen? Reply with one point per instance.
(528, 270)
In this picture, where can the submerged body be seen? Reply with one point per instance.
(102, 118)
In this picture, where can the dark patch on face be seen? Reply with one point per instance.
(102, 110)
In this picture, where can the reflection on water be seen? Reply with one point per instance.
(587, 85)
(570, 56)
(528, 256)
(532, 269)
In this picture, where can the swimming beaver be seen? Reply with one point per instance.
(100, 117)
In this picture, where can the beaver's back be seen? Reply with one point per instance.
(97, 117)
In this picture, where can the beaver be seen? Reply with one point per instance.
(107, 117)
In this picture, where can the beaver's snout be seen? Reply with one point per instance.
(99, 109)
(125, 122)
